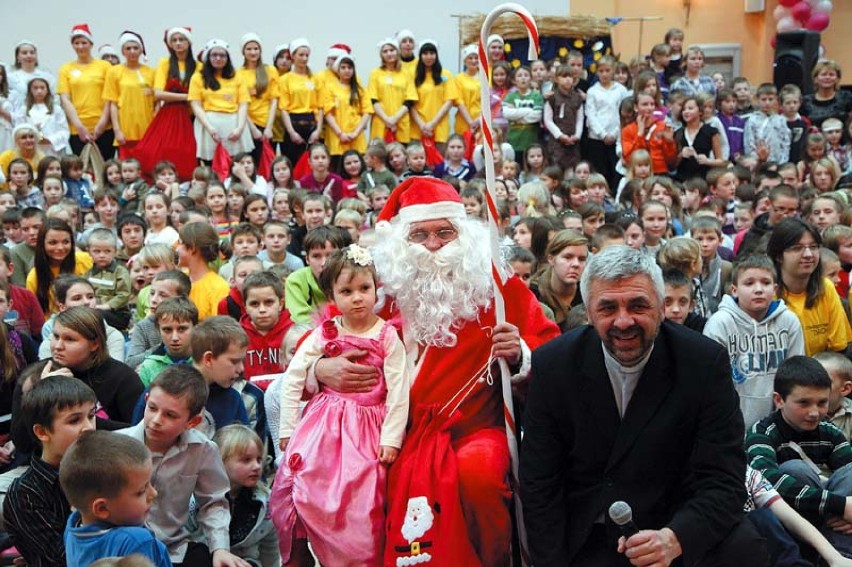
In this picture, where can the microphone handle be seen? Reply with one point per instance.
(628, 529)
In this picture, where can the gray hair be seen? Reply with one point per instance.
(615, 263)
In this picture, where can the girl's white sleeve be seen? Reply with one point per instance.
(550, 124)
(398, 381)
(294, 383)
(592, 114)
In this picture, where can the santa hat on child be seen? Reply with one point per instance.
(82, 30)
(420, 199)
(107, 49)
(339, 50)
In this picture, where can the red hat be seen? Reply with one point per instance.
(82, 30)
(338, 50)
(421, 199)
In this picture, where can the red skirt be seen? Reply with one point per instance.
(169, 137)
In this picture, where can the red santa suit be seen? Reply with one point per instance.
(477, 433)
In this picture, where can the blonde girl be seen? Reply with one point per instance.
(156, 207)
(262, 83)
(824, 175)
(347, 110)
(299, 102)
(219, 101)
(674, 39)
(129, 90)
(436, 92)
(814, 151)
(468, 103)
(557, 285)
(243, 455)
(281, 205)
(639, 167)
(534, 200)
(394, 94)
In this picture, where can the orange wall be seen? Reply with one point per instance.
(715, 21)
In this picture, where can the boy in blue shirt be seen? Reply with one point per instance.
(107, 478)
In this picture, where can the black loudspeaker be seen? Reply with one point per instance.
(796, 53)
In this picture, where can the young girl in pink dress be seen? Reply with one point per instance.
(330, 487)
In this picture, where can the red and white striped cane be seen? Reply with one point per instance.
(493, 222)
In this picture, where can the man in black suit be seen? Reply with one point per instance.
(634, 409)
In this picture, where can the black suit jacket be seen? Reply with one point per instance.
(676, 457)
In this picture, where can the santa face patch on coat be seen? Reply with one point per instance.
(418, 520)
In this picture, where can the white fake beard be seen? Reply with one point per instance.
(436, 291)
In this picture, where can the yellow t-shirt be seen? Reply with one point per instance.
(227, 98)
(7, 157)
(410, 67)
(335, 102)
(133, 91)
(83, 263)
(84, 84)
(323, 78)
(206, 294)
(430, 99)
(825, 325)
(467, 93)
(391, 89)
(298, 94)
(258, 110)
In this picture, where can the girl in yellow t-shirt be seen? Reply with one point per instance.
(299, 103)
(436, 93)
(262, 83)
(55, 255)
(81, 85)
(347, 110)
(282, 64)
(794, 249)
(220, 103)
(129, 89)
(468, 101)
(392, 92)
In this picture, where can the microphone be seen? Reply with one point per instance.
(621, 514)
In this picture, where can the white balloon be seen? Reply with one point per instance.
(780, 12)
(787, 23)
(823, 6)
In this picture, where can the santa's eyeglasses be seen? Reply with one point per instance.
(444, 235)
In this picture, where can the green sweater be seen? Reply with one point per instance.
(767, 446)
(155, 363)
(302, 295)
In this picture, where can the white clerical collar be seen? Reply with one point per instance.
(613, 365)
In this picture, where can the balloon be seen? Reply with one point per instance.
(817, 22)
(774, 41)
(801, 11)
(787, 24)
(823, 6)
(788, 3)
(780, 12)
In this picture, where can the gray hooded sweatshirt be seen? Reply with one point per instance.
(757, 349)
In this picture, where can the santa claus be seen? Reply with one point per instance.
(435, 269)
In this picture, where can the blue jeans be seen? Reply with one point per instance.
(840, 482)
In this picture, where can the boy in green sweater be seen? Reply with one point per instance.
(302, 294)
(175, 318)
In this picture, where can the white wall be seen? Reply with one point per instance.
(358, 23)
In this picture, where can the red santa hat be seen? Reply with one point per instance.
(185, 31)
(338, 50)
(82, 30)
(420, 199)
(128, 36)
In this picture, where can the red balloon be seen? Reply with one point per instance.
(774, 41)
(817, 22)
(788, 3)
(801, 11)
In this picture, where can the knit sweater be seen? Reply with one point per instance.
(768, 446)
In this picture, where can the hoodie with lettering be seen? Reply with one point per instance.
(756, 349)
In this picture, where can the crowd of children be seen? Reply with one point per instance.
(177, 301)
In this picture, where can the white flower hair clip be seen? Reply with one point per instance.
(359, 255)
